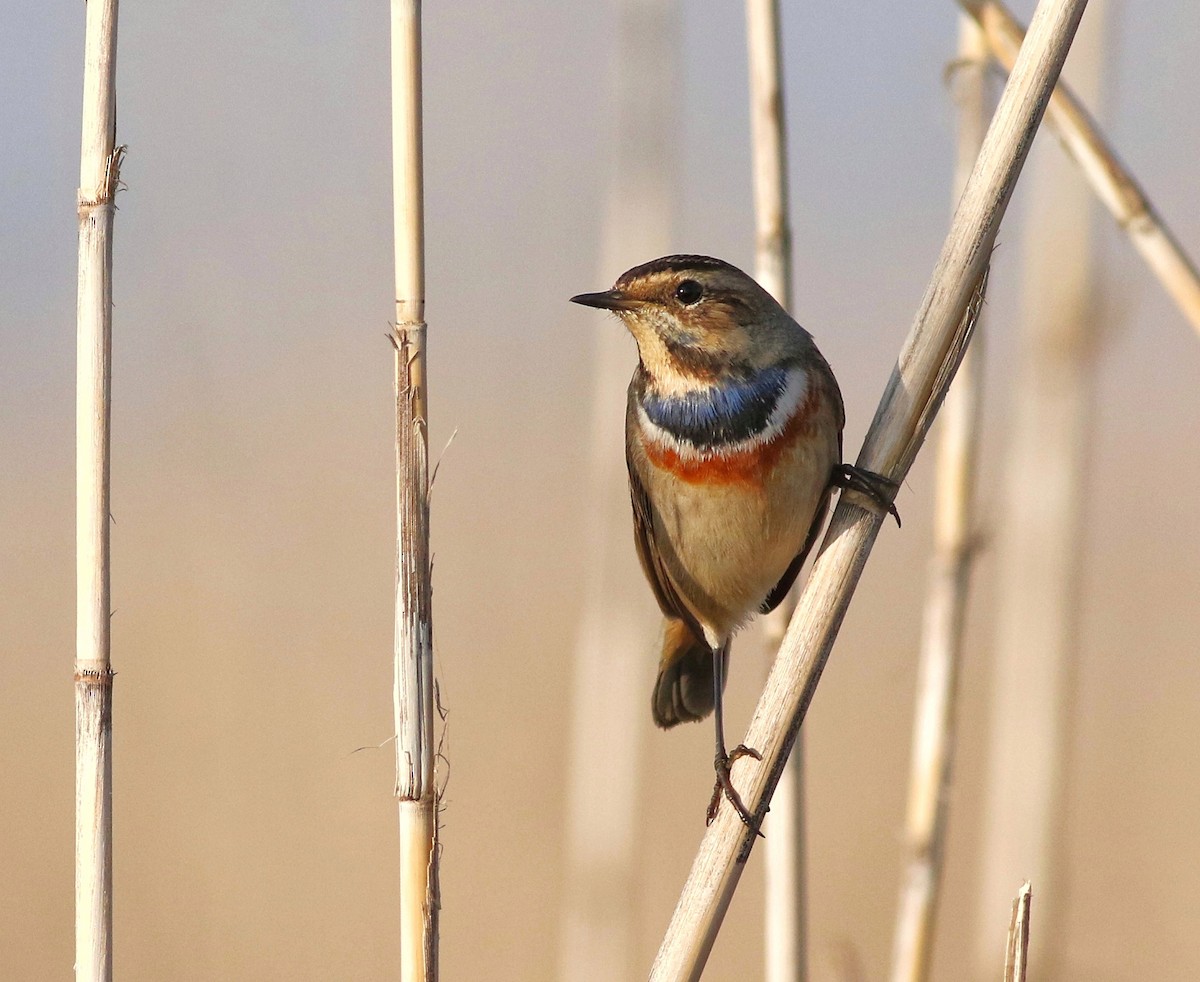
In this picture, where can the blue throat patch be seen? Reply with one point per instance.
(728, 412)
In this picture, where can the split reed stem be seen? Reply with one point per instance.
(413, 695)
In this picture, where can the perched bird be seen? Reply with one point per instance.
(733, 442)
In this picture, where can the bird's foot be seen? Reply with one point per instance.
(878, 488)
(724, 787)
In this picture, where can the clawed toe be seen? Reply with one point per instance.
(724, 787)
(878, 488)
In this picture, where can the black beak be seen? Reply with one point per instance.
(608, 300)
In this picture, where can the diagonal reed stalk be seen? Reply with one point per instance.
(1110, 180)
(949, 576)
(786, 959)
(413, 697)
(923, 372)
(99, 174)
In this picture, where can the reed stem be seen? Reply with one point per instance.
(1111, 181)
(949, 576)
(617, 628)
(1017, 956)
(99, 177)
(413, 696)
(925, 368)
(786, 957)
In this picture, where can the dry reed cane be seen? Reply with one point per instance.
(99, 174)
(1017, 955)
(413, 697)
(599, 926)
(786, 959)
(1110, 180)
(946, 600)
(923, 372)
(1038, 542)
(599, 923)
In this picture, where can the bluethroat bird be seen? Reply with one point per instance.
(733, 442)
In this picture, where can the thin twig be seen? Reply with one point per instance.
(924, 370)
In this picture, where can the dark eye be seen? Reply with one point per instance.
(688, 292)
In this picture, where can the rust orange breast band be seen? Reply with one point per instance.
(750, 466)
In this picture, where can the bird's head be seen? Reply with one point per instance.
(697, 318)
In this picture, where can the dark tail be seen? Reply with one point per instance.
(683, 692)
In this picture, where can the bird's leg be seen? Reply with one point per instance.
(724, 760)
(878, 488)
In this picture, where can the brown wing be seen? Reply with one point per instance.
(775, 597)
(648, 554)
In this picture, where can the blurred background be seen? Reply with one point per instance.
(253, 486)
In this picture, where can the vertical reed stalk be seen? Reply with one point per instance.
(413, 694)
(611, 672)
(1038, 544)
(99, 174)
(1109, 178)
(1017, 956)
(786, 959)
(924, 370)
(946, 601)
(768, 134)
